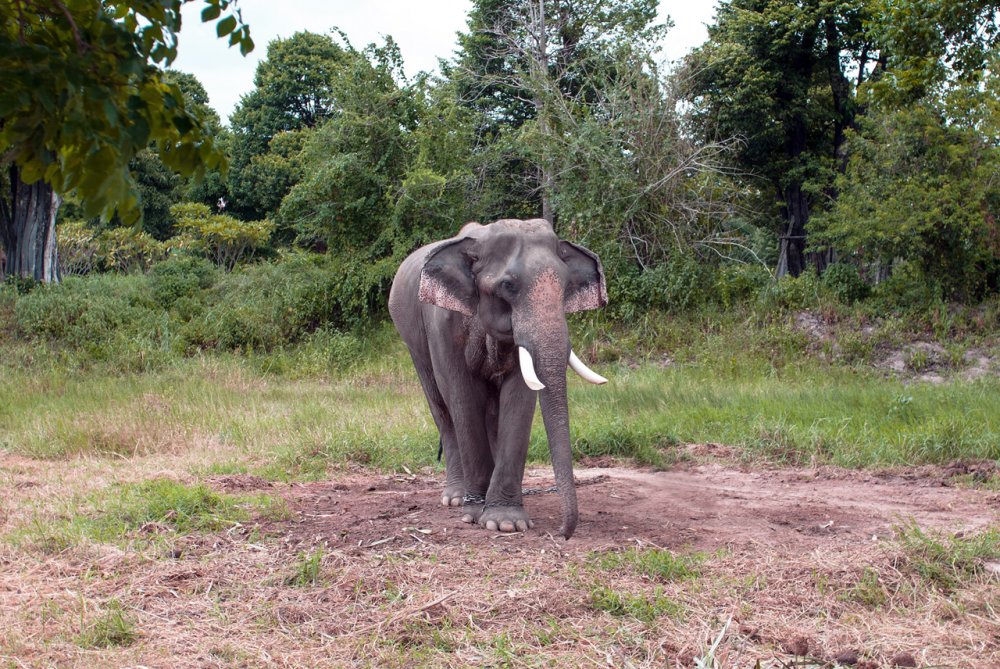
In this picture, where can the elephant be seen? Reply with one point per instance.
(483, 317)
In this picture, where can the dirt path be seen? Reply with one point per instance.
(703, 507)
(803, 577)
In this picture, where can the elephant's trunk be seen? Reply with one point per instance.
(555, 414)
(544, 334)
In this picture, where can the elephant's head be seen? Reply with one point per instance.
(518, 279)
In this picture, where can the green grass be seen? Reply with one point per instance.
(947, 561)
(114, 627)
(292, 413)
(309, 570)
(656, 563)
(642, 607)
(146, 512)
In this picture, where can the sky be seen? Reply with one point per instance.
(424, 30)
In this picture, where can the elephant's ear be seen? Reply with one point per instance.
(585, 288)
(446, 279)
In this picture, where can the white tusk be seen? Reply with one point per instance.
(585, 372)
(528, 369)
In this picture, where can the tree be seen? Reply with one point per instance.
(775, 73)
(353, 162)
(82, 96)
(293, 92)
(921, 187)
(519, 55)
(929, 43)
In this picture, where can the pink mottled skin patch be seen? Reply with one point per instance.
(584, 299)
(434, 292)
(544, 323)
(546, 291)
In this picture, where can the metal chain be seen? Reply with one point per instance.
(480, 499)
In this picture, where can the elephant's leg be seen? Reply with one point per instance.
(504, 508)
(467, 403)
(454, 489)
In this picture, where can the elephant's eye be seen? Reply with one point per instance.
(508, 287)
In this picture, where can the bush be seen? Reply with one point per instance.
(909, 289)
(125, 250)
(736, 283)
(226, 240)
(676, 285)
(79, 248)
(844, 283)
(791, 293)
(180, 277)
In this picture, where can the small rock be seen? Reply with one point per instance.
(903, 660)
(849, 657)
(799, 646)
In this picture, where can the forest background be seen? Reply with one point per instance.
(818, 181)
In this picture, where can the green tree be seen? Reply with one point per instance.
(519, 58)
(293, 92)
(920, 186)
(83, 95)
(929, 43)
(782, 75)
(354, 161)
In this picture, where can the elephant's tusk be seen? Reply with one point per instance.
(585, 372)
(528, 369)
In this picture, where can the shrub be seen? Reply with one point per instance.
(79, 249)
(224, 239)
(180, 277)
(791, 293)
(678, 284)
(908, 288)
(737, 283)
(125, 250)
(844, 283)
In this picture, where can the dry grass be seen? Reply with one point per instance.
(232, 598)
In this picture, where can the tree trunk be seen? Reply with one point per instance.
(792, 259)
(540, 77)
(28, 229)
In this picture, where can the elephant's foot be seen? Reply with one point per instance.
(505, 519)
(453, 494)
(473, 508)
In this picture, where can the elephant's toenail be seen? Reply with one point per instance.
(531, 523)
(467, 518)
(521, 526)
(506, 526)
(456, 501)
(491, 525)
(445, 501)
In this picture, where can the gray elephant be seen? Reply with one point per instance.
(483, 315)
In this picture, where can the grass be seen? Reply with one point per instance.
(643, 607)
(947, 562)
(309, 570)
(146, 512)
(656, 563)
(111, 628)
(288, 428)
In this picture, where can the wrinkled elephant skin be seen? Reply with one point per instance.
(483, 315)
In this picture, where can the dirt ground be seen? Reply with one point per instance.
(403, 582)
(703, 508)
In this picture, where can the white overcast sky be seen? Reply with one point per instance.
(425, 31)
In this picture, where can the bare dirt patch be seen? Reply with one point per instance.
(703, 507)
(798, 567)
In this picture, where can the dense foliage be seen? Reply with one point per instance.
(853, 139)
